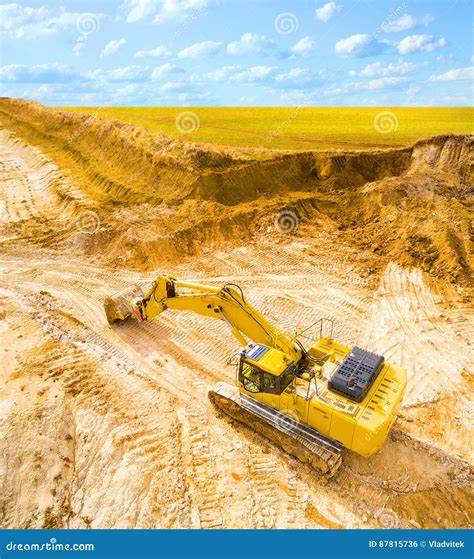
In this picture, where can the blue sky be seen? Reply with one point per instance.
(238, 52)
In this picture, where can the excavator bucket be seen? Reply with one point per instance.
(120, 306)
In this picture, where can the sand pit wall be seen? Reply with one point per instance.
(160, 199)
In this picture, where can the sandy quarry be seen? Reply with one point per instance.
(110, 427)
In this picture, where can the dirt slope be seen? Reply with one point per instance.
(411, 205)
(111, 427)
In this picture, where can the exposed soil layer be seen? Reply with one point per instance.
(409, 205)
(110, 426)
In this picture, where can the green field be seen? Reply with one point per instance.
(295, 128)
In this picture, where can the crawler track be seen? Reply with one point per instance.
(324, 456)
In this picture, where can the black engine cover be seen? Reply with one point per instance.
(356, 374)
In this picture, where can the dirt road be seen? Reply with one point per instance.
(110, 427)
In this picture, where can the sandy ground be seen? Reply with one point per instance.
(110, 427)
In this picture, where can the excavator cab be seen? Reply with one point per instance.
(264, 370)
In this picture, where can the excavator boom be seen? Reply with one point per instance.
(225, 303)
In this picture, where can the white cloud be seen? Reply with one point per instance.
(377, 84)
(384, 83)
(91, 93)
(165, 69)
(172, 86)
(122, 74)
(253, 74)
(79, 45)
(427, 19)
(159, 51)
(326, 12)
(405, 22)
(38, 73)
(299, 78)
(21, 22)
(200, 49)
(352, 44)
(219, 75)
(112, 47)
(345, 88)
(138, 10)
(303, 47)
(161, 11)
(127, 93)
(413, 90)
(455, 75)
(249, 43)
(172, 10)
(378, 69)
(360, 45)
(223, 73)
(417, 43)
(14, 18)
(269, 75)
(293, 74)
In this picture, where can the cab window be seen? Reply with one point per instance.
(250, 377)
(269, 383)
(256, 380)
(286, 377)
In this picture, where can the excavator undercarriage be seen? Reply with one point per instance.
(306, 444)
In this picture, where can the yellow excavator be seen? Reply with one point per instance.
(311, 401)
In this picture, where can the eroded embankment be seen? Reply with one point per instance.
(159, 198)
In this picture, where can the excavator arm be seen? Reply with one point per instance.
(226, 303)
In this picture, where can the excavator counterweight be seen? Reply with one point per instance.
(311, 401)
